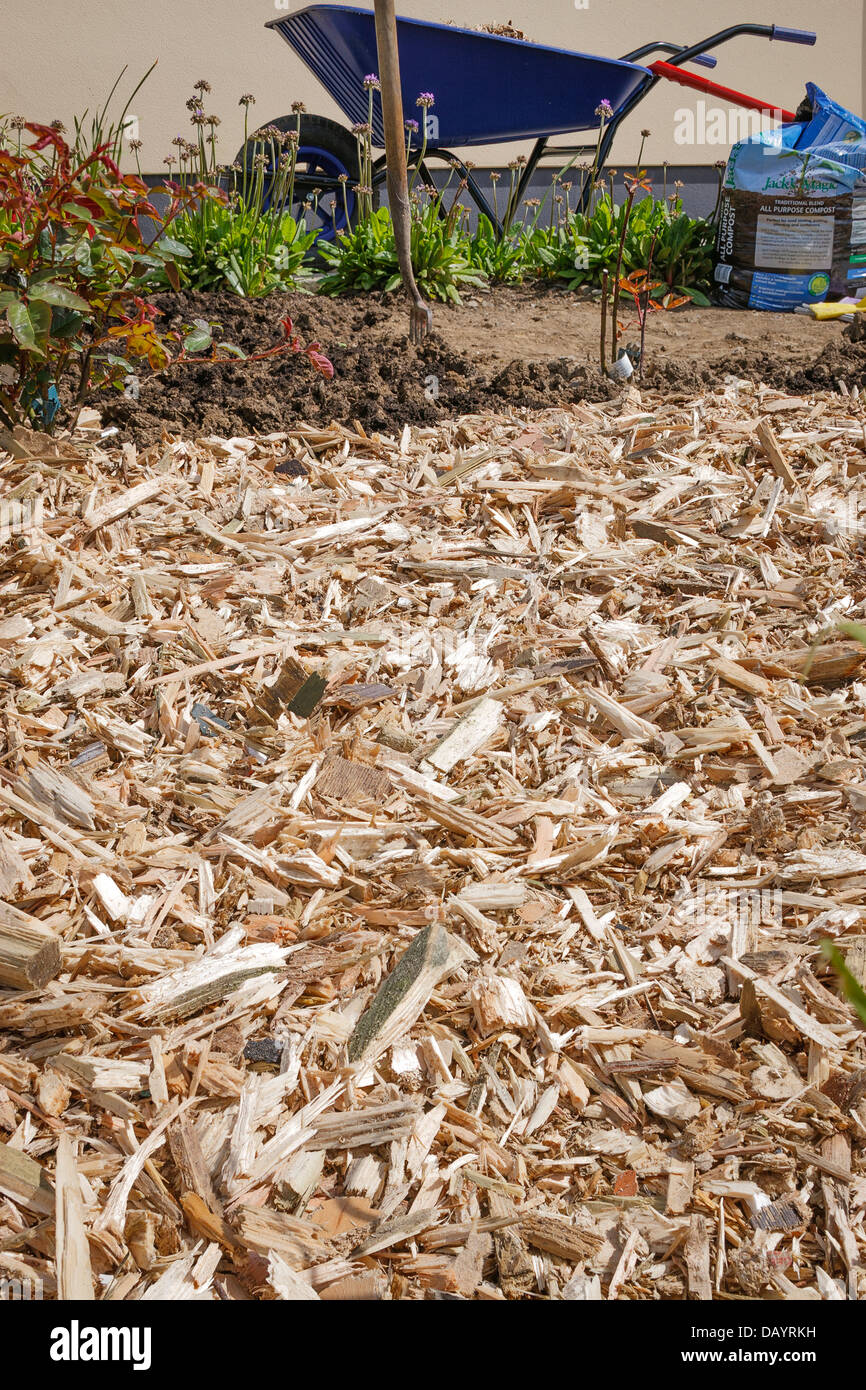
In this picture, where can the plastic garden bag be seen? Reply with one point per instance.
(791, 220)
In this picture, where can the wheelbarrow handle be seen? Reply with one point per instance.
(705, 60)
(697, 51)
(703, 84)
(794, 35)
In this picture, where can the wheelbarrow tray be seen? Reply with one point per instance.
(488, 88)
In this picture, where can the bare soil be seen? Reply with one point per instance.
(501, 350)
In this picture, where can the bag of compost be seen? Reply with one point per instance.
(787, 211)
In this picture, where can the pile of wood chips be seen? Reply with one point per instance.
(416, 855)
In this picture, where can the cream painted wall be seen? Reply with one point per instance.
(60, 56)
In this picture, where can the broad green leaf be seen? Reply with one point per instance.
(171, 247)
(25, 330)
(60, 295)
(198, 338)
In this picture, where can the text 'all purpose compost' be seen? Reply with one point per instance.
(792, 222)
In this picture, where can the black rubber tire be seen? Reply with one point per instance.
(319, 132)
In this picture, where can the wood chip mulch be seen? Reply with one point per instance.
(416, 854)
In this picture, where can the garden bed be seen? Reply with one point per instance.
(505, 348)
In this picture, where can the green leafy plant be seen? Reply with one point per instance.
(584, 244)
(365, 256)
(503, 260)
(682, 248)
(72, 264)
(248, 242)
(73, 269)
(237, 248)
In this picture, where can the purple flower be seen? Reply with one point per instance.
(604, 110)
(411, 125)
(371, 81)
(426, 99)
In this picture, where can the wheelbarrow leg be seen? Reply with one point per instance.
(420, 316)
(472, 186)
(529, 169)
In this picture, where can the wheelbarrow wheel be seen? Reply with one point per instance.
(326, 151)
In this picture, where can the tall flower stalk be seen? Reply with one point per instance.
(251, 243)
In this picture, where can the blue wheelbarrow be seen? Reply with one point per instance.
(488, 89)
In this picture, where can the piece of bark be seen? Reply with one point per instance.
(558, 1237)
(830, 661)
(294, 691)
(516, 1270)
(352, 782)
(402, 996)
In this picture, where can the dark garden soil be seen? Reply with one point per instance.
(501, 350)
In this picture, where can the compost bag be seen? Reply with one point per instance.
(792, 216)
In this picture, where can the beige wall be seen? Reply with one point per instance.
(60, 56)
